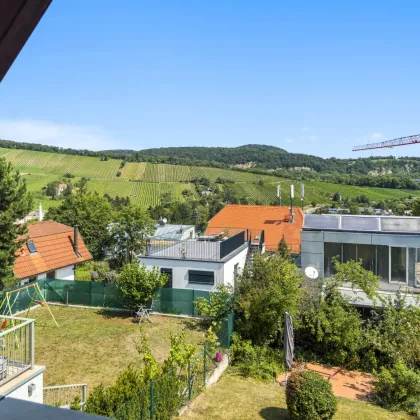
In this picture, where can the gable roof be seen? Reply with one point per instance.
(274, 220)
(54, 244)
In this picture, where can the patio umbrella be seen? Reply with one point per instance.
(288, 342)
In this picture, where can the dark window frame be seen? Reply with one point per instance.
(201, 277)
(169, 272)
(54, 275)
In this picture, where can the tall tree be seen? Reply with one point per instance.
(129, 231)
(92, 213)
(15, 202)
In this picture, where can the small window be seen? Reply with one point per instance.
(31, 246)
(32, 279)
(51, 274)
(201, 277)
(168, 272)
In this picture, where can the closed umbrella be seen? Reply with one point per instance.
(289, 344)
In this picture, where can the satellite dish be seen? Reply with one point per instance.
(311, 272)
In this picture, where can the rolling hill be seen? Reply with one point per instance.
(145, 182)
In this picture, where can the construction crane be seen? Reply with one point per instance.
(402, 141)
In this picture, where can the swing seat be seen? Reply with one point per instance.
(3, 324)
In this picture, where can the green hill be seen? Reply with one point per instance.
(145, 182)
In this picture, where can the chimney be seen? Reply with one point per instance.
(41, 214)
(76, 240)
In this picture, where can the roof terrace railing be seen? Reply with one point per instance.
(205, 248)
(17, 340)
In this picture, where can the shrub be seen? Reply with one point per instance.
(83, 275)
(139, 285)
(259, 362)
(309, 396)
(398, 388)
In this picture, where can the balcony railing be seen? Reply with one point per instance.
(17, 341)
(66, 396)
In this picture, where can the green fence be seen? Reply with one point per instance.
(105, 295)
(165, 395)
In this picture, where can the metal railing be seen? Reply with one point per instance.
(66, 396)
(17, 340)
(205, 248)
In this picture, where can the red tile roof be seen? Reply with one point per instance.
(274, 220)
(54, 245)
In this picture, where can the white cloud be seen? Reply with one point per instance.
(55, 134)
(376, 136)
(288, 140)
(305, 129)
(313, 138)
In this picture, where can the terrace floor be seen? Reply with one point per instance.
(93, 346)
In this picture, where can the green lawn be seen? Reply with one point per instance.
(91, 346)
(238, 398)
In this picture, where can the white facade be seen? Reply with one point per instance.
(28, 386)
(224, 270)
(64, 273)
(31, 390)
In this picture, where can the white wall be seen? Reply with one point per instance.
(65, 273)
(180, 271)
(223, 272)
(37, 396)
(229, 267)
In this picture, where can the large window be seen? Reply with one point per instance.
(382, 262)
(168, 272)
(331, 250)
(201, 277)
(390, 263)
(399, 265)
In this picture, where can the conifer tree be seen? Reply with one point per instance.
(15, 203)
(283, 249)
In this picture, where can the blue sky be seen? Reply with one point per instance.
(309, 76)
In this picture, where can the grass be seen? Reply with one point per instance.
(93, 347)
(151, 180)
(238, 398)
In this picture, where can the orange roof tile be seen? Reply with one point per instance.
(54, 244)
(274, 220)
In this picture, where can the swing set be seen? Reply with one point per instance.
(6, 307)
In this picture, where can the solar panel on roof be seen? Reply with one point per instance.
(321, 221)
(400, 224)
(31, 246)
(360, 223)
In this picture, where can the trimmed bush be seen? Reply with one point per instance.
(309, 396)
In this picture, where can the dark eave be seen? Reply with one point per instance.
(18, 19)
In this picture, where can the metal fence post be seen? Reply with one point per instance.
(84, 397)
(205, 362)
(189, 382)
(32, 342)
(152, 407)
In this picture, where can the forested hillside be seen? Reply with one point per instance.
(150, 184)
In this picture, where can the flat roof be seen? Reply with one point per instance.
(344, 222)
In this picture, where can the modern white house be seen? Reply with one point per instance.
(199, 264)
(51, 250)
(389, 246)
